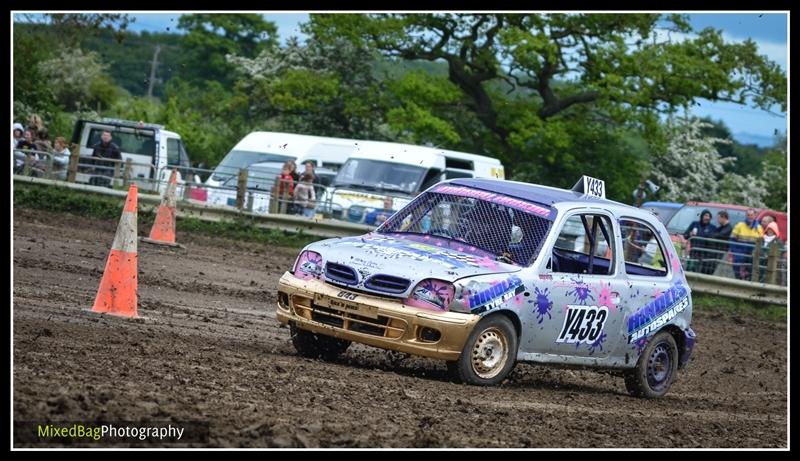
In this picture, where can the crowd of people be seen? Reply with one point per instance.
(34, 142)
(298, 190)
(710, 242)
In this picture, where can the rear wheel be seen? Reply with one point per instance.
(489, 353)
(313, 345)
(656, 369)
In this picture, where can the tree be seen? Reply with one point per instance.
(210, 37)
(78, 80)
(314, 88)
(690, 168)
(611, 63)
(775, 177)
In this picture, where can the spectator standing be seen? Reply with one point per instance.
(285, 186)
(309, 169)
(18, 131)
(697, 233)
(42, 141)
(35, 123)
(304, 196)
(722, 234)
(293, 170)
(61, 151)
(771, 237)
(106, 149)
(743, 237)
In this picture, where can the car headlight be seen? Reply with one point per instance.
(308, 265)
(431, 294)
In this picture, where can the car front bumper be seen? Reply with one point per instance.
(380, 322)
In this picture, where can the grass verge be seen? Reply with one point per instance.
(713, 303)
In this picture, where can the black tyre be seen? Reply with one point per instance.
(315, 346)
(656, 369)
(489, 354)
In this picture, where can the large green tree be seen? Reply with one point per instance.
(210, 37)
(556, 64)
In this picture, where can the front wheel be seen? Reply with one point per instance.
(314, 345)
(489, 353)
(656, 369)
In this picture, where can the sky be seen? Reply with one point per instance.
(768, 30)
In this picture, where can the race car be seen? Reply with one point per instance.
(485, 273)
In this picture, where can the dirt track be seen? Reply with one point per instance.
(210, 349)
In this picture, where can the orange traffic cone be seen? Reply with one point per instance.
(118, 288)
(163, 231)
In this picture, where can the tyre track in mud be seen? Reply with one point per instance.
(211, 349)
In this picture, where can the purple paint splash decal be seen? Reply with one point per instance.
(581, 291)
(542, 303)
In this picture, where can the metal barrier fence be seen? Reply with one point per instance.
(754, 261)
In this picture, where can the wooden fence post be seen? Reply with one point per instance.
(72, 169)
(241, 188)
(756, 259)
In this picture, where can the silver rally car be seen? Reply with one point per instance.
(483, 273)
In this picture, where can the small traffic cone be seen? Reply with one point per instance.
(163, 231)
(118, 288)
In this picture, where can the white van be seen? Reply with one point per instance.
(152, 148)
(378, 170)
(265, 148)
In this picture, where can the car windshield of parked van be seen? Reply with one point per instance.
(238, 159)
(690, 213)
(460, 218)
(378, 175)
(259, 176)
(140, 143)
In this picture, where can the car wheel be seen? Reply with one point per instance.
(656, 369)
(489, 353)
(313, 345)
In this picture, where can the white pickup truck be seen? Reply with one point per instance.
(153, 150)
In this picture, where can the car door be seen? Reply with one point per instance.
(578, 297)
(649, 274)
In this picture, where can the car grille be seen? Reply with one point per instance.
(384, 326)
(340, 273)
(387, 283)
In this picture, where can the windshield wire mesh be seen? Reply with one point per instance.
(512, 235)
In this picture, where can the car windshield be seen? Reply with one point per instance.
(379, 175)
(258, 177)
(238, 159)
(509, 228)
(142, 142)
(690, 213)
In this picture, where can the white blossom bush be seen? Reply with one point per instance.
(72, 74)
(690, 168)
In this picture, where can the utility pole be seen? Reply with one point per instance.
(153, 66)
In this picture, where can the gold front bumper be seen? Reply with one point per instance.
(381, 322)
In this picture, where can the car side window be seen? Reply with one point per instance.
(584, 246)
(643, 252)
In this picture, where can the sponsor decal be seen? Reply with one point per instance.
(657, 313)
(583, 324)
(496, 295)
(511, 202)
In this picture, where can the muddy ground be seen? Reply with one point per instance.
(211, 350)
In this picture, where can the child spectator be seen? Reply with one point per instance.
(304, 196)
